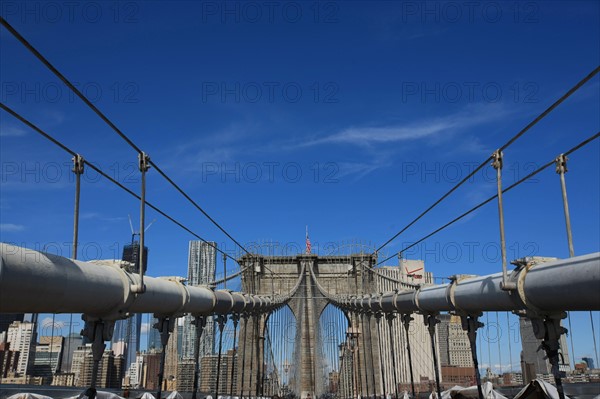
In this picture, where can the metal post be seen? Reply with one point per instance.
(561, 169)
(406, 319)
(199, 322)
(224, 272)
(165, 326)
(97, 331)
(549, 330)
(78, 169)
(144, 165)
(470, 324)
(221, 322)
(431, 320)
(497, 163)
(390, 318)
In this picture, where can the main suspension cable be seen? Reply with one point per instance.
(106, 176)
(529, 176)
(102, 116)
(507, 144)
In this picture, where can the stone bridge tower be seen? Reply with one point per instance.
(268, 275)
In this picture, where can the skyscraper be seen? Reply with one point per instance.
(48, 357)
(154, 336)
(21, 336)
(6, 319)
(533, 360)
(202, 266)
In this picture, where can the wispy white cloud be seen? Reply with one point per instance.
(11, 227)
(359, 169)
(435, 129)
(12, 131)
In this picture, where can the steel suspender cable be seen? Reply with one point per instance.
(234, 317)
(371, 353)
(472, 326)
(199, 323)
(245, 316)
(78, 169)
(390, 319)
(406, 319)
(515, 184)
(252, 345)
(487, 326)
(499, 348)
(106, 176)
(509, 343)
(507, 144)
(431, 323)
(378, 317)
(593, 338)
(221, 319)
(364, 333)
(102, 116)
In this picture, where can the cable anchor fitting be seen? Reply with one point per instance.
(561, 164)
(78, 164)
(143, 162)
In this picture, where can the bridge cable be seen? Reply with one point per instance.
(593, 338)
(252, 339)
(472, 325)
(406, 319)
(487, 322)
(507, 144)
(221, 319)
(432, 321)
(509, 344)
(517, 183)
(102, 116)
(235, 318)
(368, 315)
(363, 333)
(499, 348)
(199, 323)
(378, 317)
(245, 317)
(106, 176)
(561, 169)
(390, 319)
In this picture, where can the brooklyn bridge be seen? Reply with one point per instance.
(345, 324)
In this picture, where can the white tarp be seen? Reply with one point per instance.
(28, 396)
(99, 395)
(147, 395)
(174, 395)
(458, 392)
(538, 389)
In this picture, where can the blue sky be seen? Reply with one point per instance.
(348, 117)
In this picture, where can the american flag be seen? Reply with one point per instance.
(307, 242)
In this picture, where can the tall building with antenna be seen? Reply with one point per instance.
(202, 267)
(126, 338)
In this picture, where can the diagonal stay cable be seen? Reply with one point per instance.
(102, 116)
(108, 177)
(506, 145)
(515, 184)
